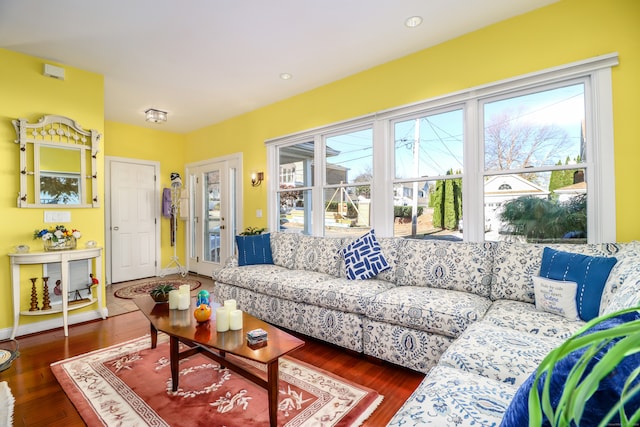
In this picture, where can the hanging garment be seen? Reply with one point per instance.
(166, 203)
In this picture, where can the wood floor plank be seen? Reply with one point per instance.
(41, 401)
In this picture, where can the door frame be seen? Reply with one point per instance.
(238, 159)
(107, 209)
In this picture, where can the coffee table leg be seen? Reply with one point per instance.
(154, 335)
(272, 391)
(174, 358)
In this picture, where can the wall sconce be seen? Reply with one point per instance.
(256, 179)
(155, 116)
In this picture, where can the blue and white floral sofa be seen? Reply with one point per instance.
(462, 313)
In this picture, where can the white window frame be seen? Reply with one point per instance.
(601, 215)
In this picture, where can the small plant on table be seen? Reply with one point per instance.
(161, 292)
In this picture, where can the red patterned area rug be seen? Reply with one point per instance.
(129, 384)
(130, 292)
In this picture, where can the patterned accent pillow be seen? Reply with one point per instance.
(556, 296)
(254, 249)
(363, 258)
(590, 273)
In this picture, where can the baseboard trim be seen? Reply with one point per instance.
(45, 325)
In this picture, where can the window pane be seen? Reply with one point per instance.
(295, 165)
(539, 129)
(428, 209)
(295, 211)
(349, 157)
(541, 207)
(347, 211)
(429, 146)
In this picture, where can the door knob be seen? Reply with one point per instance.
(116, 228)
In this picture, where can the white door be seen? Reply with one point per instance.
(214, 198)
(133, 220)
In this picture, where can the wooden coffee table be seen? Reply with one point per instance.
(182, 327)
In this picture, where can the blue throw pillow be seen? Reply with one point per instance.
(590, 273)
(607, 395)
(363, 258)
(254, 249)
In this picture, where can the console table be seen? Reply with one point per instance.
(63, 257)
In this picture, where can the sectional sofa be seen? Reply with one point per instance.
(462, 313)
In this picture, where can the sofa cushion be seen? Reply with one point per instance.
(589, 272)
(284, 248)
(269, 279)
(440, 311)
(556, 296)
(464, 267)
(503, 354)
(524, 317)
(363, 258)
(516, 263)
(254, 249)
(451, 397)
(626, 271)
(627, 296)
(319, 254)
(408, 347)
(351, 296)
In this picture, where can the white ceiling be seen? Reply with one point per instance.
(204, 61)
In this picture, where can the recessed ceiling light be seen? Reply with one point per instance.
(285, 76)
(413, 21)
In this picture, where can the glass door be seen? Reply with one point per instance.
(212, 222)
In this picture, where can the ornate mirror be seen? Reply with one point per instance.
(58, 165)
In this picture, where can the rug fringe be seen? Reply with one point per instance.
(6, 404)
(366, 414)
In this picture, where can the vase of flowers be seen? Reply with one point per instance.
(57, 238)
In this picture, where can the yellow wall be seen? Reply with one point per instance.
(26, 93)
(563, 32)
(167, 148)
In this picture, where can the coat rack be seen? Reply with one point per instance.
(176, 185)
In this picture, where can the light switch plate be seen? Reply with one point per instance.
(57, 216)
(258, 213)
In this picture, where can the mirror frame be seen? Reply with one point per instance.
(57, 132)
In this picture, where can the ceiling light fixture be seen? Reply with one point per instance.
(155, 116)
(286, 76)
(413, 21)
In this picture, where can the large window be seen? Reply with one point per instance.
(525, 159)
(427, 184)
(535, 164)
(342, 165)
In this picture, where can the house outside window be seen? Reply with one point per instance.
(468, 166)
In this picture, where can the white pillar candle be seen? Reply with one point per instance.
(230, 304)
(173, 299)
(185, 289)
(184, 301)
(222, 319)
(235, 320)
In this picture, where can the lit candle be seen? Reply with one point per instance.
(222, 319)
(184, 301)
(230, 304)
(173, 299)
(235, 320)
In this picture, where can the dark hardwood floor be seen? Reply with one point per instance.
(40, 400)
